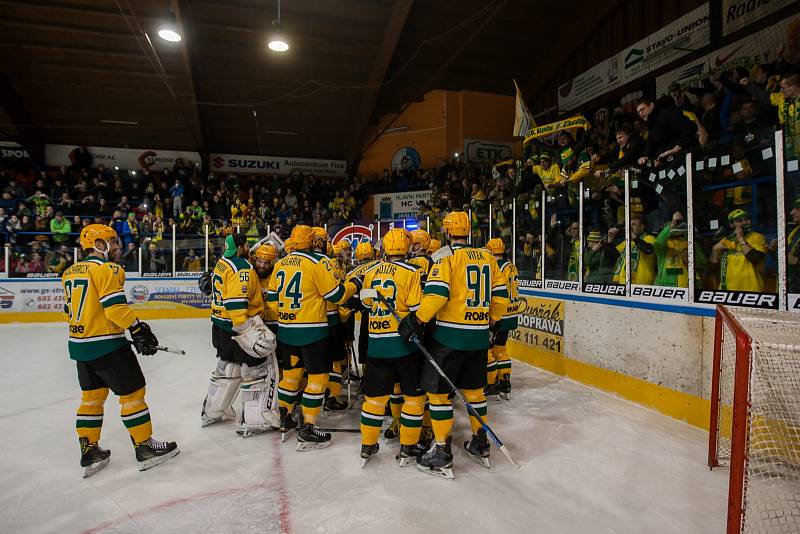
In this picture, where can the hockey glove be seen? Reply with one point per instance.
(204, 283)
(354, 303)
(410, 326)
(144, 341)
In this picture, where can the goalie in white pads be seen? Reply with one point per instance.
(245, 346)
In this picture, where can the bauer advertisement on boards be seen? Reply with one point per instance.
(541, 324)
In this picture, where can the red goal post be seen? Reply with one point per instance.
(755, 417)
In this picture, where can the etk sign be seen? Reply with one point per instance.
(480, 150)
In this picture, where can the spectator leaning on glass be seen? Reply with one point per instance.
(740, 255)
(643, 258)
(672, 254)
(601, 256)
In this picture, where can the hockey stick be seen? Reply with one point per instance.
(167, 349)
(372, 293)
(353, 430)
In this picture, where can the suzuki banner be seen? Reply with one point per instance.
(276, 165)
(760, 47)
(124, 158)
(675, 40)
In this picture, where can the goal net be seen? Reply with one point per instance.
(755, 417)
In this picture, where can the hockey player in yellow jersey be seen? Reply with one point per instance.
(98, 315)
(263, 259)
(390, 358)
(336, 339)
(365, 259)
(245, 346)
(303, 283)
(498, 376)
(464, 295)
(418, 257)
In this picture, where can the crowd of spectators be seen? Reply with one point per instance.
(727, 123)
(42, 213)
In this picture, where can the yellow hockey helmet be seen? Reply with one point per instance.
(266, 252)
(496, 246)
(289, 246)
(330, 250)
(365, 251)
(422, 238)
(303, 237)
(396, 242)
(434, 246)
(93, 232)
(456, 224)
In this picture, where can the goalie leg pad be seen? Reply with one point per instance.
(260, 397)
(222, 391)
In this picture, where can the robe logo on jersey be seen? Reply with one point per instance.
(747, 299)
(354, 234)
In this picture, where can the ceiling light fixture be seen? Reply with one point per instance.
(277, 40)
(168, 30)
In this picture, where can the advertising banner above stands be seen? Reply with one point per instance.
(760, 47)
(481, 150)
(124, 158)
(11, 152)
(737, 14)
(276, 165)
(675, 40)
(399, 205)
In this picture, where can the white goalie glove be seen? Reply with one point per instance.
(255, 338)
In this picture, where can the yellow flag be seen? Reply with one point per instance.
(523, 120)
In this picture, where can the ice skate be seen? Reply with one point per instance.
(392, 432)
(332, 404)
(151, 453)
(478, 448)
(367, 452)
(309, 437)
(93, 458)
(287, 424)
(205, 420)
(504, 388)
(426, 438)
(409, 454)
(491, 390)
(438, 461)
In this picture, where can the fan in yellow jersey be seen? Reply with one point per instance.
(98, 315)
(245, 346)
(740, 255)
(303, 283)
(390, 358)
(498, 376)
(643, 258)
(465, 293)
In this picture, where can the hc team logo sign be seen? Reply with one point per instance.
(355, 234)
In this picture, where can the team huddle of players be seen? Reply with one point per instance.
(283, 329)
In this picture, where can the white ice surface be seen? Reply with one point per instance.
(590, 462)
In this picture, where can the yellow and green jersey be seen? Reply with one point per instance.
(235, 293)
(270, 315)
(643, 266)
(737, 273)
(97, 309)
(399, 282)
(360, 270)
(424, 263)
(332, 310)
(462, 293)
(511, 276)
(302, 285)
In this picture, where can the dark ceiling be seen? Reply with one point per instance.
(68, 66)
